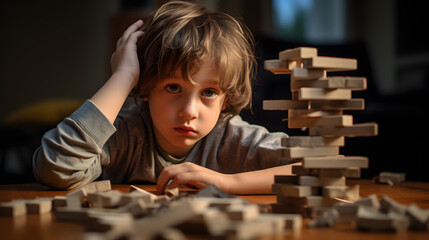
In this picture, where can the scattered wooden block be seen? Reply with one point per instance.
(370, 220)
(299, 152)
(298, 53)
(389, 205)
(135, 196)
(39, 205)
(310, 180)
(109, 221)
(346, 212)
(251, 229)
(136, 207)
(335, 162)
(293, 113)
(306, 93)
(307, 74)
(338, 172)
(330, 120)
(391, 178)
(290, 209)
(312, 141)
(13, 208)
(74, 198)
(371, 202)
(291, 221)
(419, 219)
(59, 201)
(151, 195)
(330, 63)
(172, 192)
(356, 130)
(245, 212)
(327, 219)
(72, 214)
(212, 222)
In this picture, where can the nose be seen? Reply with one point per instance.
(188, 109)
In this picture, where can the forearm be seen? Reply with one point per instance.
(112, 95)
(257, 182)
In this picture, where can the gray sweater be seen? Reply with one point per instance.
(85, 146)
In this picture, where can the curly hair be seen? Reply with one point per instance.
(183, 35)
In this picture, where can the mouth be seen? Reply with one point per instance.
(187, 131)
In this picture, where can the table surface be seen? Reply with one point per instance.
(45, 226)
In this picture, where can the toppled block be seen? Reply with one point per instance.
(370, 220)
(13, 208)
(327, 219)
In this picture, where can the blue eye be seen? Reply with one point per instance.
(209, 93)
(173, 88)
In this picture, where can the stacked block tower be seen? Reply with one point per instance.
(317, 104)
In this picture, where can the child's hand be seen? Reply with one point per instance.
(124, 59)
(191, 174)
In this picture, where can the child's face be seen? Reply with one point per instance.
(183, 113)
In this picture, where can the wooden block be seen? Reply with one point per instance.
(307, 74)
(351, 104)
(370, 220)
(312, 141)
(294, 190)
(327, 172)
(312, 181)
(162, 199)
(72, 214)
(137, 208)
(151, 195)
(39, 206)
(335, 162)
(350, 193)
(389, 205)
(290, 209)
(356, 130)
(212, 222)
(13, 208)
(299, 152)
(331, 63)
(328, 219)
(391, 178)
(74, 198)
(309, 201)
(172, 192)
(291, 221)
(284, 104)
(352, 83)
(251, 229)
(59, 201)
(419, 220)
(135, 196)
(298, 53)
(346, 212)
(102, 186)
(330, 120)
(109, 221)
(307, 93)
(371, 201)
(292, 113)
(277, 66)
(242, 212)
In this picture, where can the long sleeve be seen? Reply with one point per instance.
(236, 146)
(72, 154)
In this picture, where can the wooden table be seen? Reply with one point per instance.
(46, 227)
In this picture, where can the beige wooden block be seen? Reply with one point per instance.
(151, 195)
(370, 220)
(246, 212)
(251, 229)
(330, 120)
(13, 208)
(351, 104)
(298, 53)
(74, 198)
(312, 141)
(109, 222)
(306, 93)
(307, 74)
(309, 201)
(298, 152)
(284, 104)
(212, 222)
(335, 162)
(356, 130)
(59, 201)
(349, 193)
(72, 214)
(338, 172)
(391, 178)
(171, 192)
(137, 208)
(294, 190)
(39, 206)
(331, 63)
(290, 209)
(291, 221)
(419, 219)
(389, 205)
(308, 180)
(293, 113)
(277, 66)
(134, 196)
(352, 83)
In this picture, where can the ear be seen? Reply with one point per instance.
(224, 104)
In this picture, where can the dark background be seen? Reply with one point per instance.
(55, 54)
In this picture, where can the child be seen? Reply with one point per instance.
(192, 69)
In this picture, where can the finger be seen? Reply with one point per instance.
(171, 172)
(134, 37)
(132, 28)
(197, 179)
